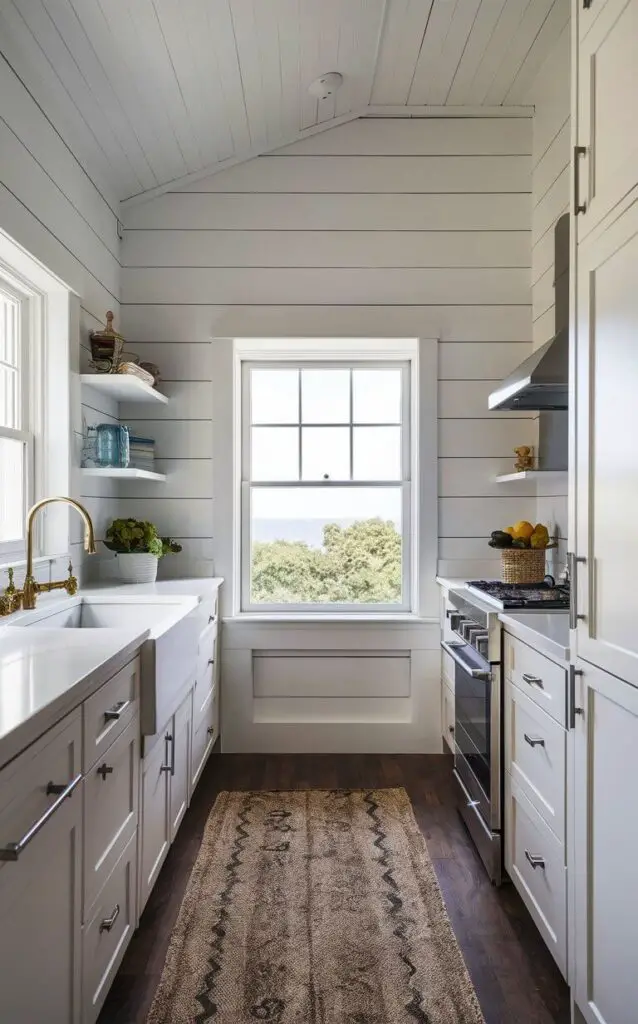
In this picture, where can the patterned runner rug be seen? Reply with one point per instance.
(314, 907)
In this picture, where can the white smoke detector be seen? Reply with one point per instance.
(326, 85)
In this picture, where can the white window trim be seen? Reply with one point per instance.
(228, 356)
(53, 316)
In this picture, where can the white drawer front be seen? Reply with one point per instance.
(107, 934)
(543, 887)
(109, 710)
(110, 810)
(24, 783)
(542, 679)
(535, 748)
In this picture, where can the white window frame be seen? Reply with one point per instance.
(332, 353)
(51, 315)
(30, 397)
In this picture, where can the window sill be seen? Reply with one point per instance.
(19, 563)
(398, 619)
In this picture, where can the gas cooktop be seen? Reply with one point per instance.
(522, 595)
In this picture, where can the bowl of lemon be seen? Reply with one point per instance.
(522, 548)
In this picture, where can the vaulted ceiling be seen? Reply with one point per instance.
(156, 91)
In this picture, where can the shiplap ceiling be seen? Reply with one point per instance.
(156, 91)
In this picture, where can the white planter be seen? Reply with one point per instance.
(137, 568)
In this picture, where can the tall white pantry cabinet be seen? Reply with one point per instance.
(604, 427)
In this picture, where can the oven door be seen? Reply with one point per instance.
(477, 729)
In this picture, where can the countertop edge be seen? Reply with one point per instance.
(535, 639)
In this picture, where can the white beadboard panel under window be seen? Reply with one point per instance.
(373, 229)
(59, 211)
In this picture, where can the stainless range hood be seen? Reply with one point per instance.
(540, 382)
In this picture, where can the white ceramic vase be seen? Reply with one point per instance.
(137, 568)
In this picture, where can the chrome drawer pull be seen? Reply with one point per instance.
(108, 922)
(534, 741)
(211, 661)
(104, 770)
(536, 862)
(170, 764)
(210, 730)
(116, 712)
(13, 850)
(533, 680)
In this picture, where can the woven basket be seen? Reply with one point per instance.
(523, 565)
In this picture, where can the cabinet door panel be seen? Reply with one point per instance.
(155, 824)
(40, 897)
(205, 732)
(607, 99)
(607, 427)
(606, 838)
(181, 762)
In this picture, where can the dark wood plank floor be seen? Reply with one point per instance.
(514, 975)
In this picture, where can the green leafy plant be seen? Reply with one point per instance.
(138, 537)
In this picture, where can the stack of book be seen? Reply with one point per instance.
(142, 453)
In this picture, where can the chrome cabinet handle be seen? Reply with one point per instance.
(104, 770)
(534, 741)
(535, 861)
(13, 850)
(533, 680)
(573, 710)
(211, 661)
(578, 206)
(169, 740)
(573, 561)
(108, 922)
(116, 712)
(450, 728)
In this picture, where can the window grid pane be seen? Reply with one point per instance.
(10, 379)
(12, 491)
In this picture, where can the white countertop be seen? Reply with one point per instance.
(544, 631)
(46, 672)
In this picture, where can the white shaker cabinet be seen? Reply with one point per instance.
(165, 793)
(40, 891)
(605, 925)
(607, 159)
(607, 427)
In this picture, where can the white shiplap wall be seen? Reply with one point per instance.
(374, 228)
(50, 206)
(550, 94)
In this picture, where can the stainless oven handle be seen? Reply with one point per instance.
(475, 673)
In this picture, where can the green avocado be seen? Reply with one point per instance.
(500, 539)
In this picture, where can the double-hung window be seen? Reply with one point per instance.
(326, 485)
(16, 438)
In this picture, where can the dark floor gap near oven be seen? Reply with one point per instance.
(514, 974)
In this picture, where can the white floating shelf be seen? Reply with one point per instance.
(123, 387)
(115, 473)
(531, 474)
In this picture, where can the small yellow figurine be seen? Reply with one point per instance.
(525, 458)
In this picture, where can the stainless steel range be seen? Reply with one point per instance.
(476, 649)
(476, 652)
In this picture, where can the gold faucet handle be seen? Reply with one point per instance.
(6, 604)
(71, 584)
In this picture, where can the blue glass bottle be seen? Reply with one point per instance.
(112, 446)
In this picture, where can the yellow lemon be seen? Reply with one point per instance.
(510, 530)
(523, 530)
(540, 528)
(538, 540)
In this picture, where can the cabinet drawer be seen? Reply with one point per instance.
(528, 842)
(205, 733)
(448, 716)
(109, 710)
(535, 747)
(539, 677)
(55, 758)
(207, 652)
(106, 936)
(110, 810)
